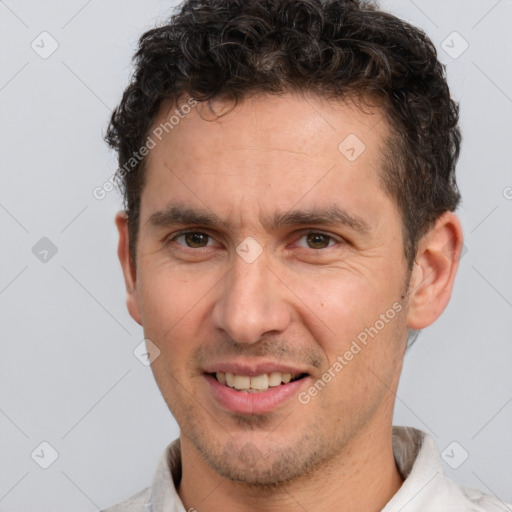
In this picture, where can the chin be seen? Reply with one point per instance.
(270, 468)
(269, 474)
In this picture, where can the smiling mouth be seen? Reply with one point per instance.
(258, 383)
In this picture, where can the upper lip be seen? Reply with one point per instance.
(253, 369)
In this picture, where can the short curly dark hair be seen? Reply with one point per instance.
(341, 49)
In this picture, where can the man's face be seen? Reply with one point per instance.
(291, 299)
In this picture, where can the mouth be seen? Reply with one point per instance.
(257, 393)
(258, 383)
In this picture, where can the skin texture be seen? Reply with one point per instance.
(302, 302)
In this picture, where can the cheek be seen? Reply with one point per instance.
(172, 306)
(344, 303)
(167, 293)
(358, 320)
(172, 310)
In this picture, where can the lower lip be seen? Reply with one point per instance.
(253, 403)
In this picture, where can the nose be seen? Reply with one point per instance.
(252, 302)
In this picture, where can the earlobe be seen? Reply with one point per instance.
(434, 271)
(128, 267)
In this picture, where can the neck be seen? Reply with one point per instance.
(362, 478)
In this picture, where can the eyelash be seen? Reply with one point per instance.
(174, 237)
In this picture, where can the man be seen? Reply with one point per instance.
(288, 172)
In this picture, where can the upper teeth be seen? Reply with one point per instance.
(259, 382)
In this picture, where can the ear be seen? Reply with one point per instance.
(128, 267)
(433, 273)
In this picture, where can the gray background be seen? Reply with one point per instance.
(68, 373)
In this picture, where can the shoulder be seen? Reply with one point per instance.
(481, 502)
(426, 488)
(137, 503)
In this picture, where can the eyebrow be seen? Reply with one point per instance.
(330, 216)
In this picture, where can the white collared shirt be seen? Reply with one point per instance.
(425, 487)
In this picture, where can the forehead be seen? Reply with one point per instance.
(288, 121)
(265, 150)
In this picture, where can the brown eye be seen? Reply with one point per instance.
(318, 240)
(193, 239)
(315, 240)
